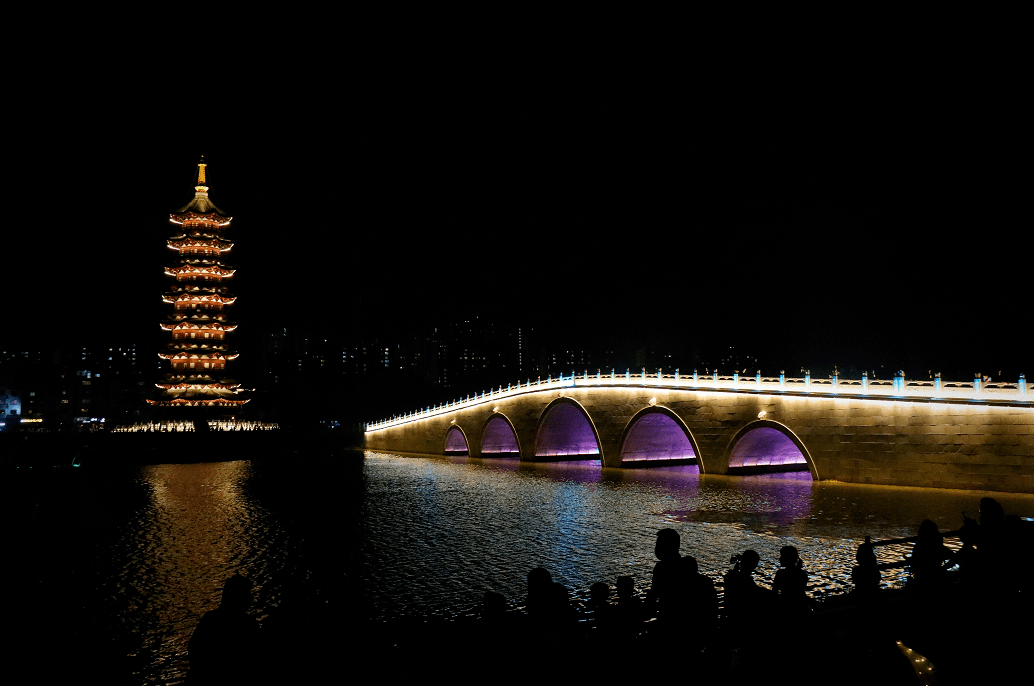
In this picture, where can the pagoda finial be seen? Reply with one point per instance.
(201, 172)
(201, 203)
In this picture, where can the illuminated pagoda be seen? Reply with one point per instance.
(198, 353)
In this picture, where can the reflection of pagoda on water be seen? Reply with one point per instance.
(199, 352)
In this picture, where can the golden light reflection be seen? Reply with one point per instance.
(197, 533)
(923, 668)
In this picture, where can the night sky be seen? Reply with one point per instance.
(857, 224)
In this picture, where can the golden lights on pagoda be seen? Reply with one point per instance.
(199, 295)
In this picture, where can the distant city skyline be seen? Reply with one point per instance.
(855, 240)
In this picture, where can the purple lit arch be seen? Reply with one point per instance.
(455, 442)
(565, 429)
(766, 446)
(499, 438)
(657, 434)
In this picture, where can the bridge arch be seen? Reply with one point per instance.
(657, 434)
(499, 436)
(565, 428)
(455, 441)
(767, 446)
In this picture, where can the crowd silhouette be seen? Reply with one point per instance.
(735, 629)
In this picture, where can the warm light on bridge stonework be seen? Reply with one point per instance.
(914, 434)
(656, 436)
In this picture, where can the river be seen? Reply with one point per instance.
(132, 556)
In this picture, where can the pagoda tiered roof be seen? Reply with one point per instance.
(213, 345)
(212, 355)
(219, 271)
(202, 260)
(203, 377)
(188, 325)
(196, 241)
(178, 288)
(201, 207)
(198, 232)
(173, 298)
(199, 386)
(184, 315)
(192, 213)
(203, 402)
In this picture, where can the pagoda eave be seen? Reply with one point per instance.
(214, 216)
(188, 325)
(184, 386)
(200, 355)
(183, 402)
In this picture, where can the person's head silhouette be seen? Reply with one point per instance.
(237, 593)
(991, 512)
(668, 543)
(789, 557)
(749, 561)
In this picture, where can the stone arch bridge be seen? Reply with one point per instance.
(899, 432)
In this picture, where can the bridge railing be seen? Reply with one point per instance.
(898, 388)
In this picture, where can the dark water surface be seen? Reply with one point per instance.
(124, 561)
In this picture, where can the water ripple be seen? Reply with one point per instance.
(385, 536)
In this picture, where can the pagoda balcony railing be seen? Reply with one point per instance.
(202, 288)
(202, 261)
(228, 326)
(977, 391)
(200, 345)
(195, 315)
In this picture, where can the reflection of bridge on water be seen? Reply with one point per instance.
(918, 433)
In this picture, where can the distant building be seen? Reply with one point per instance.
(199, 352)
(10, 407)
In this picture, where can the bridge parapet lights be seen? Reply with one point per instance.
(976, 392)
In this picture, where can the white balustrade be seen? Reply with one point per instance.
(896, 388)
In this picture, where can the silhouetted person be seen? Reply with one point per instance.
(496, 620)
(630, 612)
(666, 599)
(224, 648)
(747, 612)
(539, 581)
(599, 596)
(866, 574)
(1018, 553)
(745, 601)
(927, 562)
(984, 546)
(493, 607)
(791, 581)
(604, 615)
(701, 606)
(549, 605)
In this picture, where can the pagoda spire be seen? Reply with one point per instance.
(201, 175)
(201, 203)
